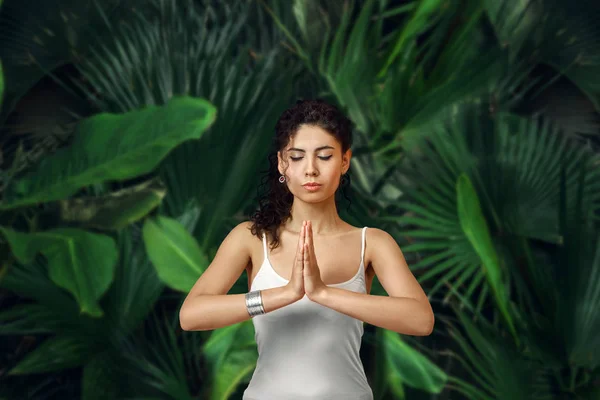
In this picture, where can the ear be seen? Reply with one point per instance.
(346, 161)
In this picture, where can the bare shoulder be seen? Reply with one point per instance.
(381, 239)
(244, 234)
(376, 239)
(390, 266)
(376, 235)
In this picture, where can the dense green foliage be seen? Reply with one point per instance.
(134, 133)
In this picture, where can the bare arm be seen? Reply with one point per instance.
(405, 310)
(207, 312)
(208, 306)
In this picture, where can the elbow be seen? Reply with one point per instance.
(183, 322)
(429, 325)
(188, 318)
(428, 331)
(186, 321)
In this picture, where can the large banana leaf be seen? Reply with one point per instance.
(231, 352)
(110, 147)
(79, 261)
(399, 364)
(176, 255)
(54, 310)
(112, 211)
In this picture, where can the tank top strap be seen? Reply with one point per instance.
(362, 250)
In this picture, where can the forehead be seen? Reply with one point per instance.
(310, 137)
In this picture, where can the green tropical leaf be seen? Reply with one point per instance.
(54, 354)
(207, 56)
(407, 366)
(101, 377)
(397, 99)
(35, 41)
(114, 210)
(81, 262)
(553, 33)
(176, 255)
(112, 147)
(312, 20)
(136, 286)
(157, 365)
(26, 319)
(418, 22)
(578, 288)
(54, 309)
(476, 230)
(231, 352)
(238, 368)
(514, 170)
(497, 369)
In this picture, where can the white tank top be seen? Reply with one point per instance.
(306, 350)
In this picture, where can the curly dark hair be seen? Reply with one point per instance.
(275, 205)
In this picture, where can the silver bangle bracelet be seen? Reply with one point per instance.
(254, 303)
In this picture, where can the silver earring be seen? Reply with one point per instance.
(281, 179)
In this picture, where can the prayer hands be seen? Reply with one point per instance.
(313, 285)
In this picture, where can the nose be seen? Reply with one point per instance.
(310, 168)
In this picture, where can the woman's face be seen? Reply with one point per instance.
(313, 155)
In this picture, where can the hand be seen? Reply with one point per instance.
(296, 283)
(313, 285)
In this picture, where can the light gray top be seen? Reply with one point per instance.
(306, 350)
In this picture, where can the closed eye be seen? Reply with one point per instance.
(300, 158)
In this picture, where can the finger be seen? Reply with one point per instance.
(307, 233)
(301, 239)
(309, 240)
(300, 255)
(307, 257)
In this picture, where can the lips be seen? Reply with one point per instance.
(311, 185)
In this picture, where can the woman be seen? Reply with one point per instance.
(306, 298)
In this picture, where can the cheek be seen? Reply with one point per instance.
(334, 175)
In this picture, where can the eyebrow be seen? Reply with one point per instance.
(317, 149)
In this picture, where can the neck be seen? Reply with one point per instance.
(323, 216)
